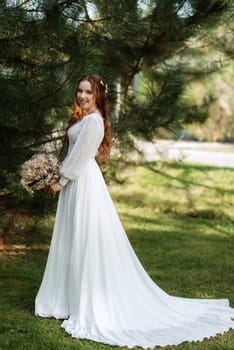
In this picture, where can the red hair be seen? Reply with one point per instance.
(99, 89)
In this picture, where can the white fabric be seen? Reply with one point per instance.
(83, 148)
(93, 279)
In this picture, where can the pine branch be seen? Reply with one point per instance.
(203, 13)
(181, 6)
(37, 144)
(199, 71)
(61, 86)
(164, 85)
(19, 61)
(90, 20)
(141, 55)
(21, 4)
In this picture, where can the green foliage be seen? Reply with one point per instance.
(41, 55)
(47, 44)
(175, 52)
(218, 83)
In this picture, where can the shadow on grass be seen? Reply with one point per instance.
(187, 170)
(212, 216)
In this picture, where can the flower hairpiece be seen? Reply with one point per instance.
(104, 85)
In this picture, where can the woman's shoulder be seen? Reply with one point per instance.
(94, 117)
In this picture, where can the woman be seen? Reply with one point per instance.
(93, 279)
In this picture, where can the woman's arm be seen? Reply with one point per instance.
(83, 150)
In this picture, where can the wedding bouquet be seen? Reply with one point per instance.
(40, 171)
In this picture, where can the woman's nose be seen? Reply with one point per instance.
(81, 94)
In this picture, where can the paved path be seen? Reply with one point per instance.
(210, 153)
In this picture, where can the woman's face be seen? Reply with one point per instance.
(86, 97)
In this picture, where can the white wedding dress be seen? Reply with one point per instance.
(93, 279)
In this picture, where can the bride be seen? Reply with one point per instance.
(93, 280)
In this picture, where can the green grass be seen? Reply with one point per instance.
(179, 219)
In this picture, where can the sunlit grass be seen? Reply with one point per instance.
(179, 219)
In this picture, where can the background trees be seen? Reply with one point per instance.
(217, 51)
(47, 44)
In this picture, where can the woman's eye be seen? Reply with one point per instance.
(88, 92)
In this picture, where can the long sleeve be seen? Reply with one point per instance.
(83, 149)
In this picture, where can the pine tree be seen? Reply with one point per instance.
(47, 44)
(41, 56)
(37, 59)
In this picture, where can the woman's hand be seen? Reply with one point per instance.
(56, 187)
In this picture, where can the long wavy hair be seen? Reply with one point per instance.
(99, 89)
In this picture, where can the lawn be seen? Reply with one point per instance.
(179, 219)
